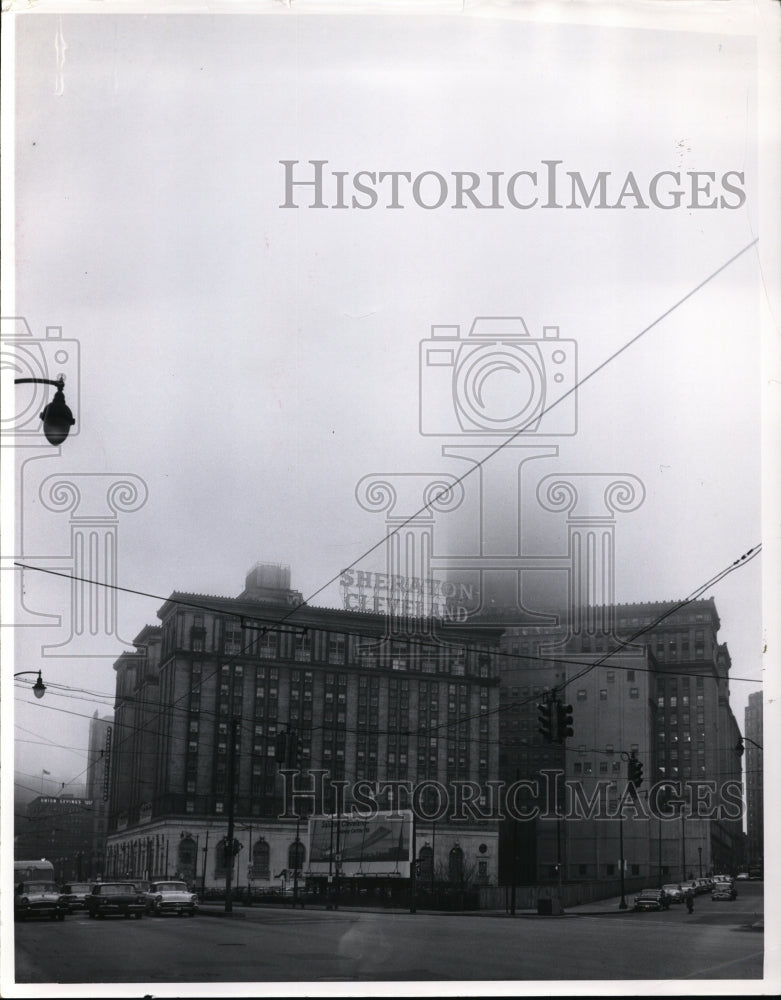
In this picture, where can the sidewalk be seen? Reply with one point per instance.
(241, 912)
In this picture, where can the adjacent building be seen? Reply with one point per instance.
(755, 843)
(648, 681)
(59, 828)
(98, 765)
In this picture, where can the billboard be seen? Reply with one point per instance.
(371, 844)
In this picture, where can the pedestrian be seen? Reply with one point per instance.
(690, 901)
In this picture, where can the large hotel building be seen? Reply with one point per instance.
(366, 704)
(403, 701)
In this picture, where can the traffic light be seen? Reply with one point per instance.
(281, 749)
(292, 749)
(635, 771)
(564, 720)
(547, 721)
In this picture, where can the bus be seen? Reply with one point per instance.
(33, 871)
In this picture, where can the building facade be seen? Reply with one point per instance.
(648, 681)
(755, 817)
(202, 701)
(60, 829)
(98, 762)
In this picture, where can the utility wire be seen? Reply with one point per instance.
(473, 468)
(450, 725)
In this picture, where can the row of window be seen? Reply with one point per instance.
(315, 645)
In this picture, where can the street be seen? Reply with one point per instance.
(720, 940)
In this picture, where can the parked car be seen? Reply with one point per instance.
(116, 897)
(702, 885)
(675, 892)
(76, 893)
(39, 899)
(723, 890)
(652, 899)
(171, 897)
(743, 876)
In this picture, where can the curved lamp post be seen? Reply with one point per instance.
(39, 688)
(56, 416)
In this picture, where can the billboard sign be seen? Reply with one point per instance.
(371, 844)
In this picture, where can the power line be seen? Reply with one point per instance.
(451, 724)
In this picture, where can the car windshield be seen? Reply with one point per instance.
(120, 889)
(79, 887)
(169, 887)
(38, 887)
(671, 888)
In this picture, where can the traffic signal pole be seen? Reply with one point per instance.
(229, 855)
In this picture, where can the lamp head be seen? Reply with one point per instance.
(57, 418)
(39, 688)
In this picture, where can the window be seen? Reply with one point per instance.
(296, 856)
(603, 694)
(303, 647)
(582, 694)
(634, 692)
(456, 865)
(336, 645)
(268, 646)
(260, 859)
(630, 675)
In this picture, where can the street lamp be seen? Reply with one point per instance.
(740, 748)
(39, 688)
(56, 416)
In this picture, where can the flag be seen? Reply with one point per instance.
(44, 771)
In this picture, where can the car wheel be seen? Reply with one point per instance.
(101, 916)
(60, 916)
(139, 914)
